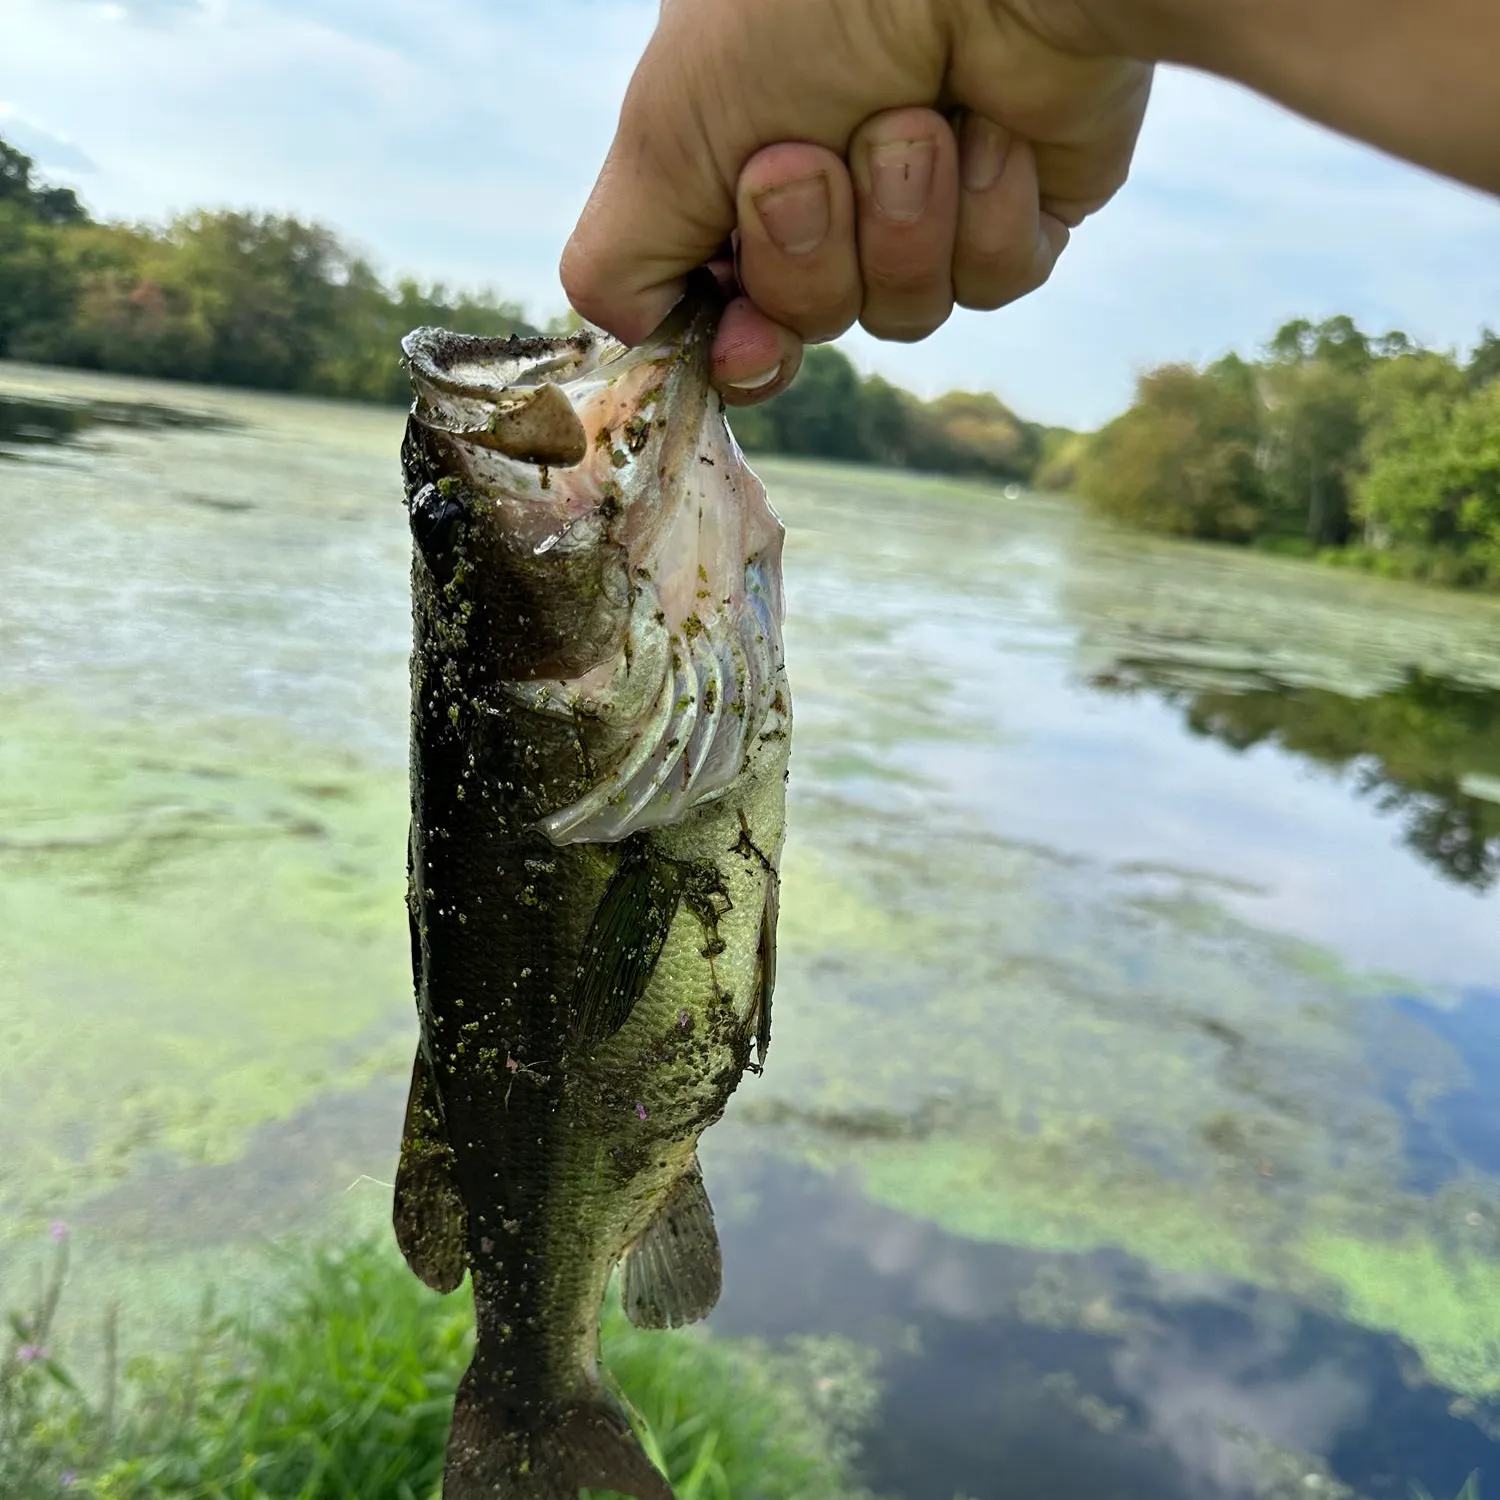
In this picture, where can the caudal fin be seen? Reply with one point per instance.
(544, 1453)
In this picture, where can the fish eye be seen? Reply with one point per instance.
(436, 520)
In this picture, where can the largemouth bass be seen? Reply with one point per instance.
(600, 732)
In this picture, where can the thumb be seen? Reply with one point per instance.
(660, 208)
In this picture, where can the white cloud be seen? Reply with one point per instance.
(457, 138)
(1196, 1402)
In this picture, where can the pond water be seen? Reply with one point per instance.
(1133, 1082)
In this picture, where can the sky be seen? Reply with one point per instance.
(457, 139)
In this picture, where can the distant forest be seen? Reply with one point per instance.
(272, 302)
(1367, 451)
(1363, 450)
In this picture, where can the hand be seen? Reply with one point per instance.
(812, 139)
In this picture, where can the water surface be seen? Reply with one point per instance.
(1136, 1038)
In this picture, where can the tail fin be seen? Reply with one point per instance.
(496, 1453)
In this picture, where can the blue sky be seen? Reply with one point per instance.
(456, 139)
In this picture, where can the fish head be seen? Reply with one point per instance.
(617, 553)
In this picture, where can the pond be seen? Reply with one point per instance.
(1133, 1083)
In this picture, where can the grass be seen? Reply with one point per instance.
(342, 1388)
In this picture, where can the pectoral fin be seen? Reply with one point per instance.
(430, 1218)
(673, 1273)
(626, 938)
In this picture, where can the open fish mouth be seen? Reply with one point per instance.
(579, 459)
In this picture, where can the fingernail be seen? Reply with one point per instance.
(796, 216)
(982, 154)
(757, 382)
(901, 177)
(1052, 239)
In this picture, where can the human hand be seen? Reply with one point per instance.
(817, 133)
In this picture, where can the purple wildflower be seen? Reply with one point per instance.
(682, 1020)
(59, 1231)
(67, 1479)
(29, 1354)
(640, 1112)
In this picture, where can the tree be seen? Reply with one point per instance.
(1432, 491)
(1336, 341)
(46, 204)
(1484, 362)
(820, 413)
(15, 175)
(35, 288)
(1312, 386)
(57, 205)
(1183, 459)
(1312, 436)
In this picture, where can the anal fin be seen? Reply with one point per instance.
(673, 1273)
(430, 1219)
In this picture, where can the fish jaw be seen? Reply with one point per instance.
(660, 542)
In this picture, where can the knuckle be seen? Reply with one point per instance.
(822, 328)
(903, 326)
(576, 273)
(904, 278)
(819, 319)
(990, 282)
(810, 306)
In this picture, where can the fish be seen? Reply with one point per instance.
(600, 735)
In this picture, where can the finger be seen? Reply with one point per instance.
(1085, 112)
(1078, 177)
(754, 357)
(905, 165)
(797, 257)
(1006, 245)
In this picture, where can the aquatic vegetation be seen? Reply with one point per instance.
(1440, 1300)
(341, 1389)
(133, 866)
(1032, 1037)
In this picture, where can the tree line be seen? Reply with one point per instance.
(1361, 449)
(1368, 450)
(830, 411)
(248, 299)
(273, 302)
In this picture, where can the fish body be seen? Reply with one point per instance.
(600, 733)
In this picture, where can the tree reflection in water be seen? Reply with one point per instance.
(1417, 752)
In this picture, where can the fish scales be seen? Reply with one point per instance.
(600, 732)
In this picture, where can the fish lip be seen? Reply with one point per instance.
(477, 390)
(431, 353)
